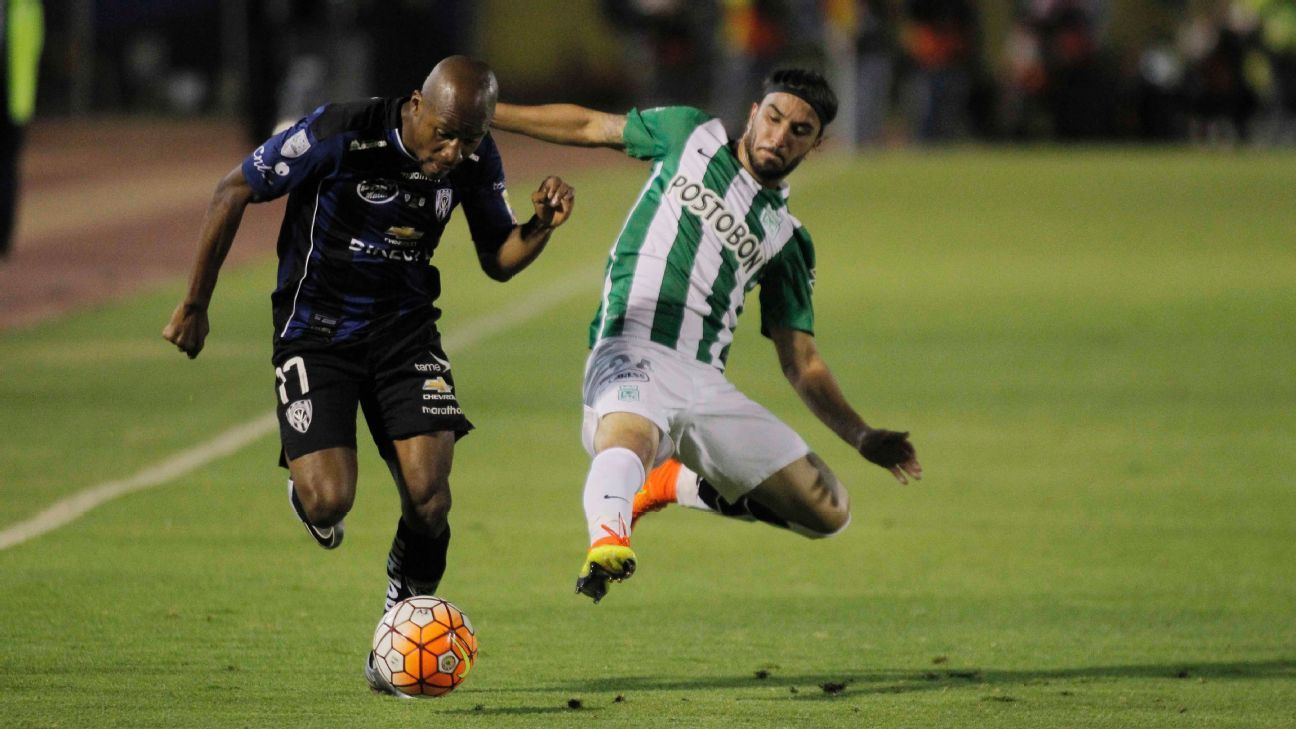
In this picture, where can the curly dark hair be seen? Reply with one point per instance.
(810, 86)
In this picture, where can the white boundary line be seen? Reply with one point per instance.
(231, 441)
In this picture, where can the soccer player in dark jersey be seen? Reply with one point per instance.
(371, 186)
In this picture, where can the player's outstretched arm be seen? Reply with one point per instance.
(809, 375)
(563, 124)
(188, 327)
(553, 202)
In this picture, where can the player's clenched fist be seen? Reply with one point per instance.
(553, 201)
(187, 329)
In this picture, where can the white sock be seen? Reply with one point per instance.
(686, 490)
(614, 477)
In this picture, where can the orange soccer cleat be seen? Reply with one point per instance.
(657, 491)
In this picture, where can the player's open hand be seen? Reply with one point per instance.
(553, 201)
(891, 450)
(188, 328)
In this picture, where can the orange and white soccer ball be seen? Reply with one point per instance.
(424, 646)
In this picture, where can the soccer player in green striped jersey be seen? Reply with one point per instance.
(710, 224)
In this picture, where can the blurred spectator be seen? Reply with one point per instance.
(21, 36)
(1221, 99)
(754, 39)
(669, 48)
(1022, 83)
(1059, 83)
(940, 39)
(304, 52)
(862, 37)
(1158, 94)
(1278, 39)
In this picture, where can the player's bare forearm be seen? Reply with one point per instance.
(188, 326)
(553, 202)
(562, 124)
(818, 389)
(220, 224)
(814, 382)
(524, 245)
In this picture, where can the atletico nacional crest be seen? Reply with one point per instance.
(299, 415)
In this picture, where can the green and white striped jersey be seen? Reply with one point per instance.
(701, 235)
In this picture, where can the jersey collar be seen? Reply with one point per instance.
(394, 130)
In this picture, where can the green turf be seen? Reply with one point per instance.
(1093, 349)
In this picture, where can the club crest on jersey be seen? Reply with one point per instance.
(378, 192)
(710, 209)
(296, 145)
(299, 415)
(443, 203)
(769, 220)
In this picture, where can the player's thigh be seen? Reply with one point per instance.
(805, 493)
(316, 393)
(628, 430)
(734, 442)
(628, 384)
(412, 393)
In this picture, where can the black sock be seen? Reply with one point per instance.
(416, 563)
(744, 508)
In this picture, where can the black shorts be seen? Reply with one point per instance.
(403, 384)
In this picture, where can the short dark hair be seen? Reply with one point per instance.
(810, 86)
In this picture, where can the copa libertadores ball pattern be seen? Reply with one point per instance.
(424, 646)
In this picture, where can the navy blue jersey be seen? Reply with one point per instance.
(362, 221)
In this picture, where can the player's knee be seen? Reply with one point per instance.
(831, 512)
(326, 501)
(825, 525)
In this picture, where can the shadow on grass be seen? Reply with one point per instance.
(482, 710)
(888, 681)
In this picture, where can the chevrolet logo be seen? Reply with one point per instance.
(404, 233)
(436, 384)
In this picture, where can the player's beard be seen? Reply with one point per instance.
(771, 172)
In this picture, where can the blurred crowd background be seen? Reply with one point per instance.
(908, 71)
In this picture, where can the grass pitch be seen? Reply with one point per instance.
(1093, 350)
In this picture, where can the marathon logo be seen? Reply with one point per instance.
(710, 208)
(443, 410)
(369, 249)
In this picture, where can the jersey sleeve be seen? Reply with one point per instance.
(652, 134)
(289, 159)
(485, 200)
(787, 286)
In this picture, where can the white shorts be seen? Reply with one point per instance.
(705, 421)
